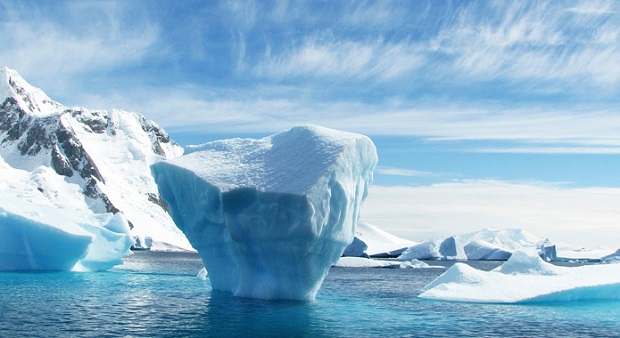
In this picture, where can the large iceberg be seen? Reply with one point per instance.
(30, 245)
(525, 278)
(270, 216)
(39, 231)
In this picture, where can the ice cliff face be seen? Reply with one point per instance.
(270, 216)
(97, 161)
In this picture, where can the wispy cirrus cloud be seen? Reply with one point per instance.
(87, 38)
(318, 57)
(392, 171)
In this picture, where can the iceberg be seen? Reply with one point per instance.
(39, 231)
(270, 216)
(361, 262)
(612, 258)
(482, 250)
(525, 278)
(372, 241)
(416, 264)
(356, 249)
(30, 245)
(448, 249)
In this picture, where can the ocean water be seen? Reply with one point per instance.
(157, 295)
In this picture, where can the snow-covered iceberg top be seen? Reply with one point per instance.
(525, 277)
(270, 216)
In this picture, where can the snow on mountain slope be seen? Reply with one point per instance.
(95, 159)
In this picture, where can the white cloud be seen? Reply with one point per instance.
(586, 216)
(325, 57)
(391, 171)
(593, 7)
(533, 41)
(534, 130)
(93, 37)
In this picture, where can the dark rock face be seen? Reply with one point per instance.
(156, 198)
(13, 120)
(36, 135)
(37, 131)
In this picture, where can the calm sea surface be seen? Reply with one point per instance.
(158, 295)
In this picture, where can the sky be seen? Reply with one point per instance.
(498, 114)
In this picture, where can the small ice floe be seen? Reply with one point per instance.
(416, 264)
(361, 262)
(525, 278)
(202, 274)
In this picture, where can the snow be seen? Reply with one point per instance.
(270, 216)
(13, 85)
(361, 262)
(526, 278)
(124, 157)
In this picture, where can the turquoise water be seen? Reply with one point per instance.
(157, 295)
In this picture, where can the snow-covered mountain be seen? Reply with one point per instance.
(85, 163)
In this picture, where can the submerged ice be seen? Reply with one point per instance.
(270, 216)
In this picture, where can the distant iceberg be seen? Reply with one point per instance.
(270, 216)
(372, 241)
(525, 278)
(485, 244)
(448, 249)
(361, 262)
(482, 250)
(612, 258)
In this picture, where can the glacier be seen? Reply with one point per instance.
(526, 278)
(270, 216)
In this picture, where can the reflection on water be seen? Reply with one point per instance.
(157, 294)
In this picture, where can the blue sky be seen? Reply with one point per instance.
(492, 95)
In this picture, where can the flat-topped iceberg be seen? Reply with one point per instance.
(524, 278)
(270, 216)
